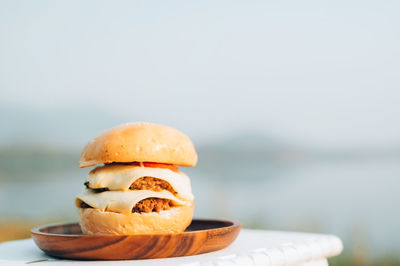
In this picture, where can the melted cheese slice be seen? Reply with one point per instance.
(121, 177)
(121, 201)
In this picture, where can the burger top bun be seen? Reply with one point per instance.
(140, 142)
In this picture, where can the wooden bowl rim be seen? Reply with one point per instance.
(37, 230)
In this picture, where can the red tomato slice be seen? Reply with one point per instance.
(158, 165)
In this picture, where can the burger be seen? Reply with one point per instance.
(137, 188)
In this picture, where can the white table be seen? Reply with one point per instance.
(252, 247)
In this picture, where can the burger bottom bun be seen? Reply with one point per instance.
(96, 222)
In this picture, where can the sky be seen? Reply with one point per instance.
(315, 73)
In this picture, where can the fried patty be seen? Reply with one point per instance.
(152, 205)
(152, 183)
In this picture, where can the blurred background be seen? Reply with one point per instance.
(293, 107)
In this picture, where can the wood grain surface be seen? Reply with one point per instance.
(67, 241)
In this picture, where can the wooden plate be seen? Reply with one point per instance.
(67, 241)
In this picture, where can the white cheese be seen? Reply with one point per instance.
(121, 177)
(122, 201)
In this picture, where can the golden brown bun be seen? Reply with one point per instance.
(140, 142)
(96, 222)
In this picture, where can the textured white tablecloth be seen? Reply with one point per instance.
(251, 248)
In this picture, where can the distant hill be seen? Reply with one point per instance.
(38, 142)
(27, 163)
(59, 127)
